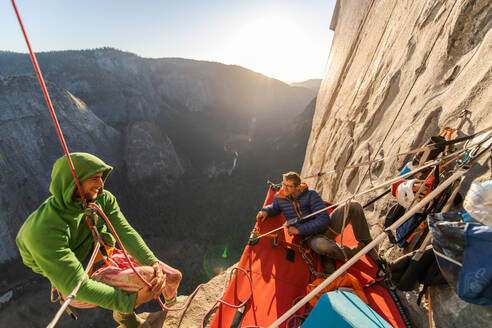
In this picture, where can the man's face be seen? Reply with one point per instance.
(290, 189)
(91, 186)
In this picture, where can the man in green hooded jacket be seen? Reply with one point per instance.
(55, 240)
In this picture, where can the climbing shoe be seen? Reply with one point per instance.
(328, 265)
(350, 251)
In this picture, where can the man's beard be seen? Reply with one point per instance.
(91, 196)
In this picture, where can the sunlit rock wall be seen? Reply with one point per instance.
(399, 72)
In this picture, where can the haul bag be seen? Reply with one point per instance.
(463, 253)
(408, 270)
(343, 310)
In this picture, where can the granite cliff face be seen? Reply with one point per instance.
(399, 72)
(149, 153)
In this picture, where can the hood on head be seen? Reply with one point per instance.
(62, 182)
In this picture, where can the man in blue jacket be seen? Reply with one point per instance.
(295, 200)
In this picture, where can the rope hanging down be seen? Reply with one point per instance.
(50, 105)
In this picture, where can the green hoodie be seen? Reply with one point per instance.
(55, 238)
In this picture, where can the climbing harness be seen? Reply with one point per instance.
(104, 252)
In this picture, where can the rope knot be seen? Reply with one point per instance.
(90, 211)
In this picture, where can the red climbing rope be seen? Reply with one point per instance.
(50, 105)
(64, 144)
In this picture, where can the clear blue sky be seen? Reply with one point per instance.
(285, 39)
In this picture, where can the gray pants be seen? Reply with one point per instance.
(328, 248)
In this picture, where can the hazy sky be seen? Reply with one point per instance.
(285, 39)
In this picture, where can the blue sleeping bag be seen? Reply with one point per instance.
(463, 250)
(475, 279)
(343, 310)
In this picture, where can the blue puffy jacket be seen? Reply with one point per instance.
(307, 202)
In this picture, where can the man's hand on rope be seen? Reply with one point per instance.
(291, 230)
(158, 281)
(262, 215)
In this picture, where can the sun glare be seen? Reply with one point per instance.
(271, 45)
